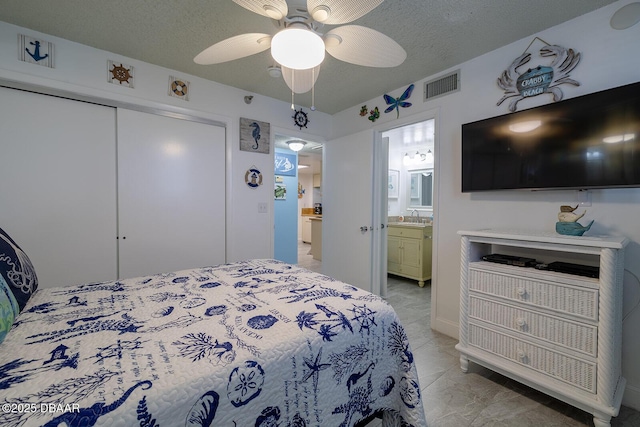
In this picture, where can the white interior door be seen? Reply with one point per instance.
(348, 229)
(171, 194)
(58, 185)
(380, 214)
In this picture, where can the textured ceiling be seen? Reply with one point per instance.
(437, 34)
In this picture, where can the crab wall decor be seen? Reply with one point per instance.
(540, 79)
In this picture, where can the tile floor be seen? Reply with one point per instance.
(481, 397)
(306, 260)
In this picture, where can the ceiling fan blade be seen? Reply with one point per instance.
(300, 81)
(275, 9)
(334, 12)
(363, 46)
(234, 48)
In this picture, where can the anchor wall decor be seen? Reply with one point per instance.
(35, 51)
(540, 79)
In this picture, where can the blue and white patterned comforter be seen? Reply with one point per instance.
(255, 343)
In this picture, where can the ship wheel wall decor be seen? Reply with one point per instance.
(300, 119)
(121, 74)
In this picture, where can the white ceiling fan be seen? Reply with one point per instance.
(300, 46)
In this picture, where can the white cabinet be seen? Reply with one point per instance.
(316, 238)
(317, 180)
(409, 250)
(306, 229)
(558, 333)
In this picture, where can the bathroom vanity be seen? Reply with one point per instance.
(409, 250)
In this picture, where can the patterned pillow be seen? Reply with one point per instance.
(17, 270)
(8, 308)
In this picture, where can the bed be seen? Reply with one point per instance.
(254, 343)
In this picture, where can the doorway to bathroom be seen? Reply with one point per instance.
(410, 202)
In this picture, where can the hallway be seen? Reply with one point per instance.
(306, 260)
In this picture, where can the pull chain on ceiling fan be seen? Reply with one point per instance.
(300, 47)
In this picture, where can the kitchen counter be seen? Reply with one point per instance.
(309, 212)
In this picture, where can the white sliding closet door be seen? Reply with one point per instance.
(58, 185)
(171, 194)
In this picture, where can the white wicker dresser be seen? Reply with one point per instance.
(558, 333)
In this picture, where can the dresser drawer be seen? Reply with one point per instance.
(407, 231)
(555, 330)
(562, 297)
(563, 367)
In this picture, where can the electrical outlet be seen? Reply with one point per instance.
(584, 198)
(263, 208)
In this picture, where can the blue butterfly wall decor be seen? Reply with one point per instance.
(396, 103)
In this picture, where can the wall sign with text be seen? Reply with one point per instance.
(285, 164)
(541, 79)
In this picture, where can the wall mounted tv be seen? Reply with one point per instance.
(591, 141)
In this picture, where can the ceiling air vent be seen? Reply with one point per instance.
(442, 86)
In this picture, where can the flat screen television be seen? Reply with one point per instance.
(587, 142)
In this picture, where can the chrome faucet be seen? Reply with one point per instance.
(417, 215)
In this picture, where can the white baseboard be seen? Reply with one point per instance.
(446, 327)
(631, 398)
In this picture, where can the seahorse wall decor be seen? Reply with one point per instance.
(568, 222)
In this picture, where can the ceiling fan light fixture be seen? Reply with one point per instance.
(298, 48)
(296, 145)
(321, 13)
(273, 12)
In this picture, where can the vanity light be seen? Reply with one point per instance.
(429, 156)
(417, 158)
(411, 160)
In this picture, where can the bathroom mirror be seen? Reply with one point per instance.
(421, 188)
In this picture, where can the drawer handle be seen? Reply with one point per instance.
(521, 322)
(522, 356)
(522, 292)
